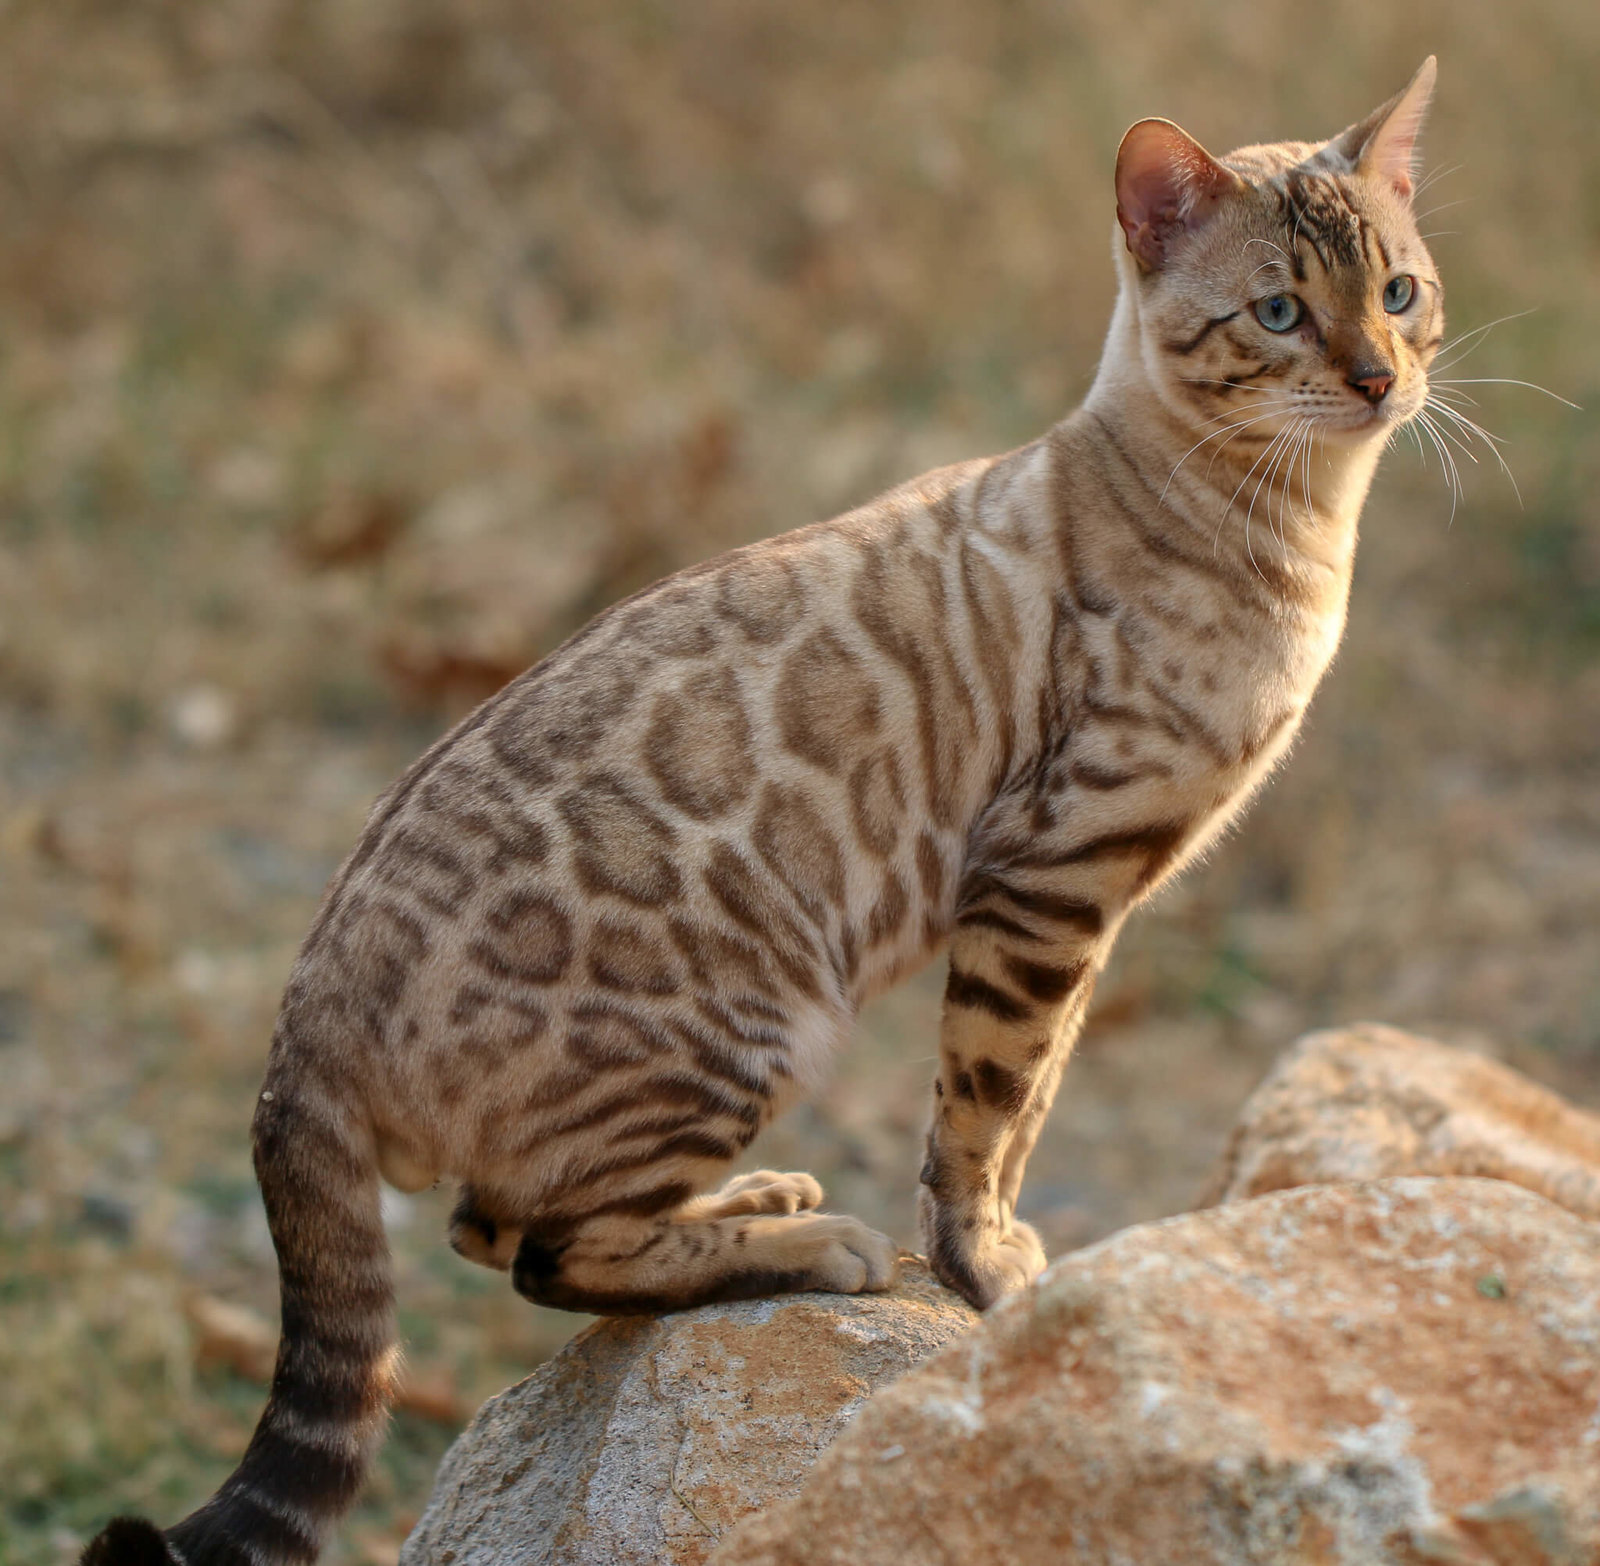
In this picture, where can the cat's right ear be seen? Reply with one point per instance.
(1385, 143)
(1168, 185)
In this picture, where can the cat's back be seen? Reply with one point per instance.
(775, 752)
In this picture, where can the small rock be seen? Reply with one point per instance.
(196, 972)
(1308, 1377)
(13, 1016)
(1367, 1102)
(349, 527)
(106, 1215)
(646, 1439)
(249, 478)
(203, 717)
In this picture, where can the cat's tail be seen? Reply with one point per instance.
(337, 1358)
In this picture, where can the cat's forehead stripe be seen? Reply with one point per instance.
(1316, 209)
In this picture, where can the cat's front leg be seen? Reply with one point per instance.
(1012, 1008)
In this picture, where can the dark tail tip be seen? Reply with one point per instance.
(128, 1541)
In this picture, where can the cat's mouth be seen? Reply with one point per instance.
(1359, 419)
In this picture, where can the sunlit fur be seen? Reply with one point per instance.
(1308, 225)
(622, 916)
(1264, 426)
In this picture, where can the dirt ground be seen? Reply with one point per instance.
(353, 354)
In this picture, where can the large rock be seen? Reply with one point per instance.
(645, 1440)
(1367, 1102)
(1388, 1374)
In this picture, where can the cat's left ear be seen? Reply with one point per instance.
(1385, 143)
(1168, 186)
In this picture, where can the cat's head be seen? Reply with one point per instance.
(1284, 281)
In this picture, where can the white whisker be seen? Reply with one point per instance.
(1468, 336)
(1472, 428)
(1285, 464)
(1454, 439)
(1275, 413)
(1447, 462)
(1283, 443)
(1270, 246)
(1459, 417)
(1227, 510)
(1291, 466)
(1281, 273)
(1250, 510)
(1434, 177)
(1211, 380)
(1503, 380)
(1444, 206)
(1305, 473)
(1232, 431)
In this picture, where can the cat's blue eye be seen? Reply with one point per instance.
(1400, 292)
(1280, 313)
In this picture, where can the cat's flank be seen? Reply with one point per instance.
(623, 915)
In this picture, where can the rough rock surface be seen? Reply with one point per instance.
(645, 1440)
(1386, 1374)
(1367, 1102)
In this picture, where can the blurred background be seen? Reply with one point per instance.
(354, 352)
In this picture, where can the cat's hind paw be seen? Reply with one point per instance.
(762, 1191)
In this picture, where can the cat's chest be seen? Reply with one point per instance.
(1202, 702)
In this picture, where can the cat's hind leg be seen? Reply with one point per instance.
(480, 1232)
(618, 1264)
(754, 1236)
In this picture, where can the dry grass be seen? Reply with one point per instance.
(354, 354)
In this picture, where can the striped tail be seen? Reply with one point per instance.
(336, 1359)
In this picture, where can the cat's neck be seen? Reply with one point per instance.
(1205, 479)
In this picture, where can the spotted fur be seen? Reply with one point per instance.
(619, 918)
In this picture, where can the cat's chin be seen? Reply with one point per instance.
(1358, 427)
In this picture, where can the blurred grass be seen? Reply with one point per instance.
(353, 354)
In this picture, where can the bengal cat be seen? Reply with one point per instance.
(623, 914)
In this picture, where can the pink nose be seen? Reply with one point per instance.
(1372, 384)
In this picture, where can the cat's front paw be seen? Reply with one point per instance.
(1017, 1257)
(983, 1266)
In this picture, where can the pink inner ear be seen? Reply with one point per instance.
(1167, 186)
(1389, 152)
